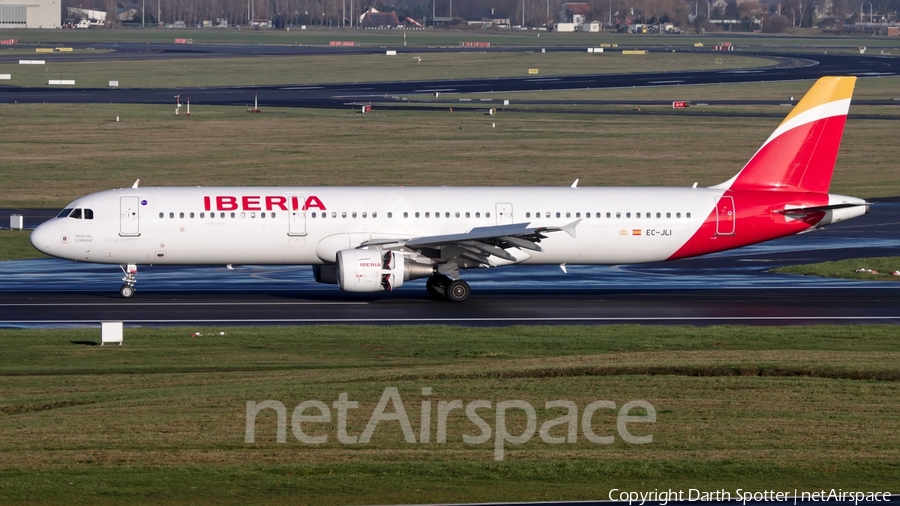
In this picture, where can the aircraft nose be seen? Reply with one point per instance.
(40, 238)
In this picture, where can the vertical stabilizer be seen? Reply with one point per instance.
(800, 154)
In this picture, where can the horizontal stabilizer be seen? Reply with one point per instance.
(820, 209)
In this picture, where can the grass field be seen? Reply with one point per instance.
(55, 153)
(15, 245)
(353, 68)
(847, 269)
(163, 418)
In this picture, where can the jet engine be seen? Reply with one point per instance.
(363, 270)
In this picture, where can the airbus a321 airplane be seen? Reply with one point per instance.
(372, 239)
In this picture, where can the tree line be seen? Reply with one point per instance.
(686, 14)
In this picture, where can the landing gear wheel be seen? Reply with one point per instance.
(437, 286)
(127, 291)
(458, 291)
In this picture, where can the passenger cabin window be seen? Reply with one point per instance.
(487, 215)
(688, 215)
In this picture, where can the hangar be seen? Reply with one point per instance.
(30, 13)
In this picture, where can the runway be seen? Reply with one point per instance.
(731, 287)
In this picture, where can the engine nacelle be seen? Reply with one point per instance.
(363, 270)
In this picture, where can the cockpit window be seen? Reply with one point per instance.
(89, 214)
(64, 213)
(76, 214)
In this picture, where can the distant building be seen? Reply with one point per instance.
(576, 13)
(126, 14)
(373, 18)
(30, 13)
(97, 18)
(593, 26)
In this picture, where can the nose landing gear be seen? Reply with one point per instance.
(127, 290)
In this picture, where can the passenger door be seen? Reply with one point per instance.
(129, 216)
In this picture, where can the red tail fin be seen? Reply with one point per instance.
(800, 154)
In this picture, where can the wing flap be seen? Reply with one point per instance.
(480, 243)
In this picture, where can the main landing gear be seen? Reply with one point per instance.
(127, 290)
(441, 287)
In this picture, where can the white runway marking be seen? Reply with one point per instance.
(182, 303)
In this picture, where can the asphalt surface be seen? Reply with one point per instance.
(786, 67)
(728, 287)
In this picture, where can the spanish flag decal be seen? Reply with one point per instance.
(636, 231)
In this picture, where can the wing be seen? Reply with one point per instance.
(476, 247)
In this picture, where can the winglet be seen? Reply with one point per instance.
(570, 228)
(575, 184)
(135, 185)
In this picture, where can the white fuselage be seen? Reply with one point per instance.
(258, 225)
